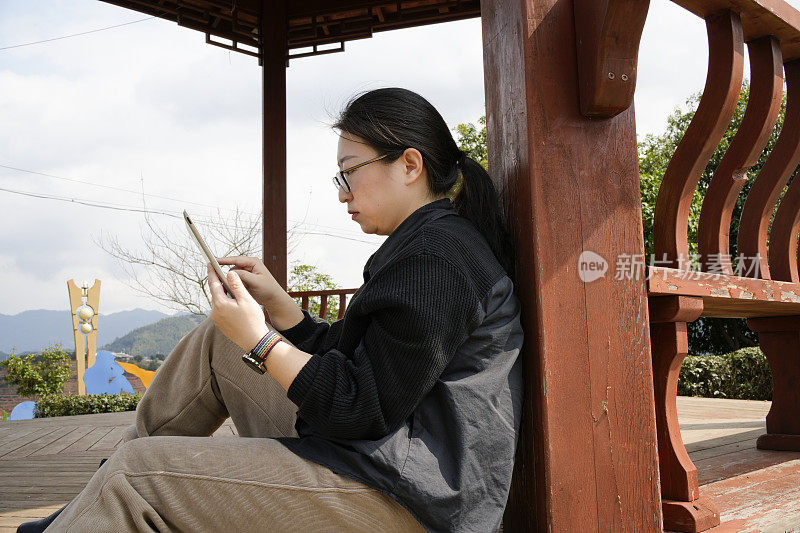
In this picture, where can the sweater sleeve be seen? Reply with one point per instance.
(310, 333)
(420, 310)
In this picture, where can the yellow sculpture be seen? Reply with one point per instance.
(85, 304)
(144, 375)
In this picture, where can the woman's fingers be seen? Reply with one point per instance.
(215, 286)
(240, 261)
(237, 287)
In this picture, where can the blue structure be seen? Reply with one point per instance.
(105, 376)
(22, 411)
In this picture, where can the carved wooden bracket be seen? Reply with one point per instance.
(607, 34)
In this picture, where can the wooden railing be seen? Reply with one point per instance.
(305, 300)
(726, 36)
(766, 289)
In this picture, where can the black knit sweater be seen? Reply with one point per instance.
(371, 368)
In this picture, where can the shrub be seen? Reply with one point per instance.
(67, 404)
(743, 374)
(38, 374)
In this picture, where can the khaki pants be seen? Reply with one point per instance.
(170, 475)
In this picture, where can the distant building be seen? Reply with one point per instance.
(122, 356)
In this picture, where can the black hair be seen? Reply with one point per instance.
(392, 120)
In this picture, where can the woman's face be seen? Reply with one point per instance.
(381, 193)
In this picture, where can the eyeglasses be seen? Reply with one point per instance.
(340, 179)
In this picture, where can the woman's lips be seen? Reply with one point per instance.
(354, 215)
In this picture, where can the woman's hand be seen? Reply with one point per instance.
(240, 318)
(256, 278)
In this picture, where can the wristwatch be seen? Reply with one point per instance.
(256, 357)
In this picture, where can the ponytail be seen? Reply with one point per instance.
(392, 120)
(476, 199)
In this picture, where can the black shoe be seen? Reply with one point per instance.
(37, 526)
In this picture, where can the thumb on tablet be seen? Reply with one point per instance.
(237, 287)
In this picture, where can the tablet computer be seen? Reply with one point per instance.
(207, 252)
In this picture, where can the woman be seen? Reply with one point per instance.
(402, 416)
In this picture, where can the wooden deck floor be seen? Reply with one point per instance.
(45, 462)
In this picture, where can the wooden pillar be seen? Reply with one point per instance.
(779, 339)
(587, 458)
(683, 507)
(274, 63)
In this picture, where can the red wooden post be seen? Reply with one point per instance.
(684, 509)
(779, 338)
(273, 31)
(323, 305)
(587, 458)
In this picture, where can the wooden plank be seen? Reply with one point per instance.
(725, 449)
(714, 112)
(760, 500)
(63, 442)
(760, 116)
(28, 514)
(587, 453)
(16, 433)
(759, 18)
(41, 442)
(727, 296)
(124, 418)
(109, 440)
(25, 439)
(87, 441)
(725, 439)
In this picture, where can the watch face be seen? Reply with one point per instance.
(253, 363)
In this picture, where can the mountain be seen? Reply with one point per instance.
(153, 339)
(34, 330)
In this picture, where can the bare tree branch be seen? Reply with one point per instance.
(170, 268)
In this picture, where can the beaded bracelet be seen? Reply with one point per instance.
(256, 357)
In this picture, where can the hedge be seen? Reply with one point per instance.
(743, 374)
(67, 404)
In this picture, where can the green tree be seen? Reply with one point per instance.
(472, 139)
(308, 278)
(138, 358)
(706, 335)
(38, 374)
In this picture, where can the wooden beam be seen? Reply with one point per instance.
(274, 62)
(759, 19)
(587, 456)
(608, 34)
(727, 296)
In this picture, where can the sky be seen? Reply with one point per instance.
(148, 106)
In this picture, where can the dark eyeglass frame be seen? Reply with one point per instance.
(340, 179)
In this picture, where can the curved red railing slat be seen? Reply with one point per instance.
(721, 93)
(763, 108)
(779, 261)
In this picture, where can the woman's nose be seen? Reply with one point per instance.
(344, 196)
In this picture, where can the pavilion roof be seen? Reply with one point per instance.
(315, 26)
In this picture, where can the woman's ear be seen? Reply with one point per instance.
(412, 165)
